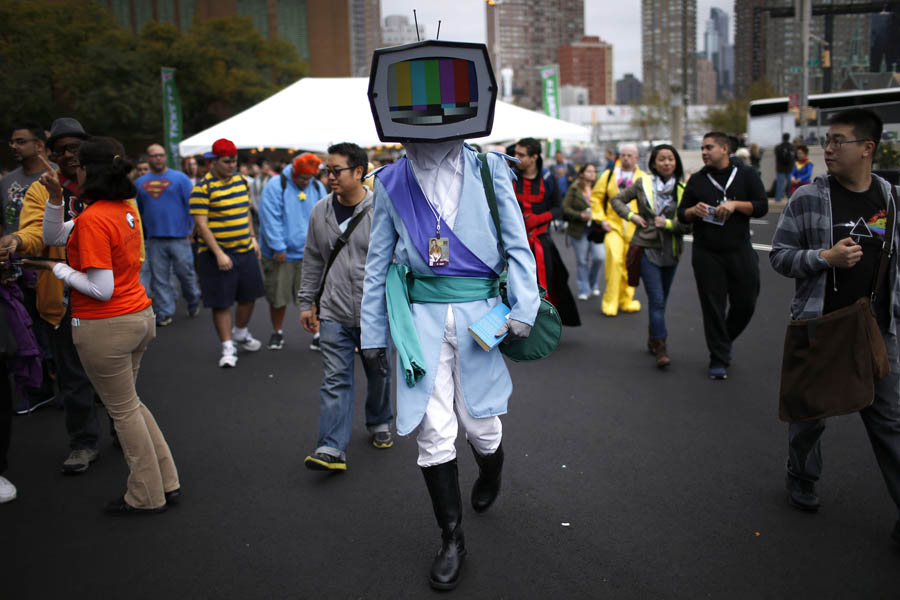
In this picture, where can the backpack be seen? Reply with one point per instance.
(785, 153)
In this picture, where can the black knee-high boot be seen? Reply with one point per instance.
(487, 486)
(443, 486)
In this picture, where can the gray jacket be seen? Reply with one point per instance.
(804, 230)
(342, 297)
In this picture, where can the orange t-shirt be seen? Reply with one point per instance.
(107, 235)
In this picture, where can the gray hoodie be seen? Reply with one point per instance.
(342, 297)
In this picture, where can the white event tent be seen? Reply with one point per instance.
(315, 112)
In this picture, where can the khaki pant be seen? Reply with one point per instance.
(110, 351)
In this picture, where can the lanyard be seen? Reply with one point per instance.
(724, 190)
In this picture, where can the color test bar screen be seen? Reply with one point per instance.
(432, 91)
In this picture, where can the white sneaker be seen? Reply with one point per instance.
(228, 359)
(7, 490)
(595, 292)
(582, 296)
(249, 343)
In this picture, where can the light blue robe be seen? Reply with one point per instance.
(485, 381)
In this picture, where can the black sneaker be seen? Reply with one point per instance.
(801, 493)
(325, 462)
(314, 344)
(164, 321)
(193, 311)
(276, 342)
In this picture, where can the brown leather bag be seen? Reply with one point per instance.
(831, 363)
(633, 264)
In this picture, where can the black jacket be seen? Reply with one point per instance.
(747, 186)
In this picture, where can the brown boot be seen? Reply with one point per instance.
(662, 354)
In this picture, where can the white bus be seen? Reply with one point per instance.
(769, 118)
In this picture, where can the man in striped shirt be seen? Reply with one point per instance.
(228, 255)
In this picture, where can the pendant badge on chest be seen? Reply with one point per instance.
(438, 249)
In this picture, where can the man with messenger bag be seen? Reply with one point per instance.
(838, 239)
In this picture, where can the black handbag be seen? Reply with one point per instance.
(596, 233)
(831, 363)
(547, 329)
(9, 346)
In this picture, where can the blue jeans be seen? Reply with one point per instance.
(165, 256)
(782, 185)
(337, 343)
(588, 263)
(657, 282)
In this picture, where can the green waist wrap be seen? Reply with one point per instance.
(404, 287)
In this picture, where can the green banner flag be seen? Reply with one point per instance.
(171, 116)
(550, 84)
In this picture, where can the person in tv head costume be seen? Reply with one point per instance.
(429, 96)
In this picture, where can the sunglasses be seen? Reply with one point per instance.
(70, 148)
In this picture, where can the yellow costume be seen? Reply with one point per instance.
(618, 295)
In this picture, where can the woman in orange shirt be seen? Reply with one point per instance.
(112, 319)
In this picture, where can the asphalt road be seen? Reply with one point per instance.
(621, 481)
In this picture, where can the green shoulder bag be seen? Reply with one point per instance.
(547, 329)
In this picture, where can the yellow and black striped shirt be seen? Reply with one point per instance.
(226, 204)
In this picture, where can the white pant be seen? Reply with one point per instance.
(437, 432)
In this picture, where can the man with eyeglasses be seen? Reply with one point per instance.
(720, 200)
(284, 209)
(829, 238)
(27, 144)
(228, 255)
(163, 198)
(347, 209)
(78, 396)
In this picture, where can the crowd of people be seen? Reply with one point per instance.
(96, 250)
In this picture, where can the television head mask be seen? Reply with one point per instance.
(432, 91)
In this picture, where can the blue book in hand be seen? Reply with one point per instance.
(483, 329)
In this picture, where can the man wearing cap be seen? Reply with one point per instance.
(284, 210)
(79, 399)
(163, 198)
(228, 257)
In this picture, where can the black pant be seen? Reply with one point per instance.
(5, 414)
(79, 398)
(728, 285)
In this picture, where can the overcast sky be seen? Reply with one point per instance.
(615, 21)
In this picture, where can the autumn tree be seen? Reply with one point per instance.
(73, 59)
(732, 117)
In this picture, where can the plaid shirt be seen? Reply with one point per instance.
(804, 230)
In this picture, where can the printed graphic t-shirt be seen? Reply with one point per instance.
(12, 193)
(861, 216)
(107, 235)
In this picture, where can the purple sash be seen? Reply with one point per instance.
(410, 203)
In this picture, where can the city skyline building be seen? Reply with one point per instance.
(588, 63)
(398, 30)
(669, 49)
(524, 35)
(335, 37)
(718, 50)
(776, 54)
(706, 82)
(628, 89)
(885, 49)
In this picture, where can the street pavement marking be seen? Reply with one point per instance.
(762, 247)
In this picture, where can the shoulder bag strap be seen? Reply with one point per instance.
(887, 246)
(488, 182)
(338, 246)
